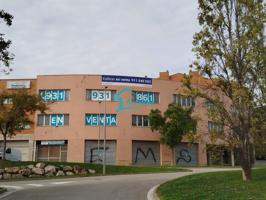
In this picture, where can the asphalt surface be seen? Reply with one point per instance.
(119, 187)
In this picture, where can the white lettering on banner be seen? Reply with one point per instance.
(53, 120)
(126, 80)
(94, 120)
(102, 120)
(113, 120)
(98, 119)
(60, 120)
(56, 120)
(88, 119)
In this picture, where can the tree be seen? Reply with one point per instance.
(173, 125)
(15, 111)
(230, 50)
(5, 56)
(259, 130)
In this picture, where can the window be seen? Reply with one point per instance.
(145, 97)
(66, 119)
(51, 152)
(134, 120)
(215, 127)
(54, 95)
(98, 119)
(98, 95)
(8, 101)
(25, 125)
(209, 105)
(140, 120)
(53, 120)
(182, 100)
(40, 120)
(145, 121)
(47, 120)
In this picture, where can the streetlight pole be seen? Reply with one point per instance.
(104, 140)
(99, 135)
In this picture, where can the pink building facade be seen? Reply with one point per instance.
(73, 128)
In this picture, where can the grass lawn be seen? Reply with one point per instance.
(216, 186)
(110, 169)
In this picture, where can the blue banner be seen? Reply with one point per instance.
(56, 120)
(98, 120)
(126, 80)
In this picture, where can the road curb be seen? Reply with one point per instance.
(2, 190)
(151, 195)
(5, 193)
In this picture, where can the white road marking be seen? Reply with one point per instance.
(12, 187)
(35, 185)
(62, 182)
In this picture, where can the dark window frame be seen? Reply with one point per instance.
(142, 124)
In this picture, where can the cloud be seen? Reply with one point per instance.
(140, 37)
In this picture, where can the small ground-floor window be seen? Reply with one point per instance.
(52, 151)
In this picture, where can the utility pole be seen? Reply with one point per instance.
(104, 140)
(99, 134)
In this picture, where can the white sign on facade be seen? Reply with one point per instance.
(53, 95)
(17, 84)
(53, 142)
(98, 95)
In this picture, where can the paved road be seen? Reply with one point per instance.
(119, 187)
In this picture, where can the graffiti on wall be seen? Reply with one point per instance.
(145, 154)
(93, 156)
(96, 156)
(184, 155)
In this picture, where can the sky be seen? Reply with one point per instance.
(119, 37)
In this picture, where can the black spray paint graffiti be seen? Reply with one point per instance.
(94, 153)
(184, 155)
(145, 155)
